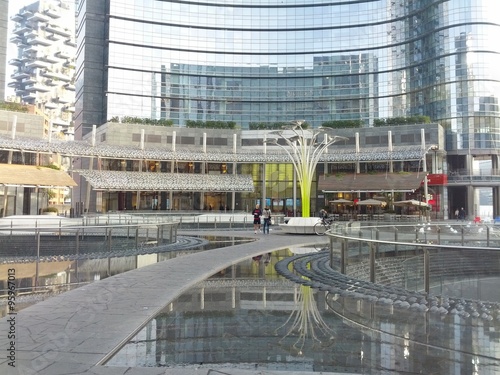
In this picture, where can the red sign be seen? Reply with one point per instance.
(437, 179)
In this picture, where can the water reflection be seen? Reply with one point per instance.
(249, 317)
(36, 281)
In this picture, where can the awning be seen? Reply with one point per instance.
(379, 182)
(152, 181)
(34, 176)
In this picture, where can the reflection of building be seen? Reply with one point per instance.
(44, 34)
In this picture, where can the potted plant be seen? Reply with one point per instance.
(50, 211)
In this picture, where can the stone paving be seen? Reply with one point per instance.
(75, 332)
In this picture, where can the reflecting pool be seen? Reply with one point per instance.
(249, 317)
(36, 281)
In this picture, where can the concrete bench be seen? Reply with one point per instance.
(299, 225)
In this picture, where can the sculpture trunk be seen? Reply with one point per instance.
(305, 194)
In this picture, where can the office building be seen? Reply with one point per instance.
(321, 61)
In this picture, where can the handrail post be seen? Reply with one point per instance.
(37, 257)
(360, 246)
(463, 234)
(77, 246)
(109, 240)
(331, 252)
(372, 263)
(396, 234)
(343, 256)
(487, 236)
(439, 235)
(136, 238)
(427, 269)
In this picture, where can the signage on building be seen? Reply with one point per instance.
(437, 179)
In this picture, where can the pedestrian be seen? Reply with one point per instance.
(257, 213)
(462, 214)
(457, 212)
(267, 219)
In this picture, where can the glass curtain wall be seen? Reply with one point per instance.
(272, 61)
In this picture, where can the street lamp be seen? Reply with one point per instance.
(304, 150)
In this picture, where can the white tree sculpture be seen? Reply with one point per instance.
(304, 148)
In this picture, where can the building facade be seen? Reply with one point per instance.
(44, 67)
(314, 60)
(4, 12)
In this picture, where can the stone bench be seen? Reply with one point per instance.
(299, 225)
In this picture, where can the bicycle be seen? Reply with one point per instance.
(322, 226)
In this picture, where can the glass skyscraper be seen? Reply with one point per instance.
(268, 61)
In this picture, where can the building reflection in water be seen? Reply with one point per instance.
(58, 276)
(249, 317)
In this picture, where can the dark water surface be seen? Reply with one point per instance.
(249, 317)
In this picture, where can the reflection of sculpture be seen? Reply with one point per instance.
(307, 320)
(304, 152)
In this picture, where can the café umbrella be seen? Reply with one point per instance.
(411, 203)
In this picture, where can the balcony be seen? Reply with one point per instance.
(21, 29)
(56, 75)
(64, 54)
(16, 39)
(70, 42)
(61, 122)
(51, 12)
(50, 105)
(53, 36)
(51, 82)
(32, 49)
(69, 86)
(15, 62)
(58, 30)
(17, 17)
(69, 108)
(19, 75)
(63, 100)
(38, 40)
(29, 97)
(49, 59)
(36, 87)
(475, 176)
(38, 64)
(29, 80)
(37, 16)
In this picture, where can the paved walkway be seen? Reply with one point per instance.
(74, 332)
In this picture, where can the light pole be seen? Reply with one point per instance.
(304, 150)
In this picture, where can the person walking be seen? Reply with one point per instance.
(257, 213)
(267, 219)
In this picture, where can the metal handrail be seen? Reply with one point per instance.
(369, 237)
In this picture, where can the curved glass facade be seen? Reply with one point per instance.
(252, 61)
